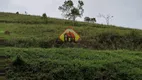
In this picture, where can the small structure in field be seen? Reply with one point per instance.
(69, 35)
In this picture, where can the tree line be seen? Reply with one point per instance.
(71, 12)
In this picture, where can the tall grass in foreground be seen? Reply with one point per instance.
(73, 64)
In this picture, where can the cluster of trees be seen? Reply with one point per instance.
(71, 12)
(44, 15)
(19, 13)
(88, 19)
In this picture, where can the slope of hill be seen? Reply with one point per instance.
(34, 31)
(31, 61)
(73, 64)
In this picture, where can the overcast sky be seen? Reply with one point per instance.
(127, 13)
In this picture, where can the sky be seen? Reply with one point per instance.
(127, 13)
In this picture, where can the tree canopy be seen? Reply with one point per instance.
(70, 11)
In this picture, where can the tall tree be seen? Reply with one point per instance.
(106, 17)
(93, 20)
(87, 19)
(70, 11)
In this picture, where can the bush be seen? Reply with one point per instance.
(103, 41)
(74, 64)
(18, 61)
(7, 33)
(17, 12)
(44, 15)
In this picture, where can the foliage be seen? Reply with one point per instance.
(106, 17)
(75, 64)
(44, 15)
(31, 31)
(17, 12)
(64, 63)
(18, 61)
(94, 40)
(93, 20)
(70, 11)
(87, 19)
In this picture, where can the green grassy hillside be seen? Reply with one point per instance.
(73, 64)
(111, 59)
(34, 31)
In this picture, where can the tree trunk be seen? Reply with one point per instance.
(107, 21)
(73, 20)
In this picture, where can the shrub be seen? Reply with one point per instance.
(2, 41)
(74, 64)
(18, 61)
(17, 12)
(7, 32)
(44, 15)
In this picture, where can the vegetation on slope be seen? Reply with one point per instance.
(31, 31)
(73, 64)
(68, 63)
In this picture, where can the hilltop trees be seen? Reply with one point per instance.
(88, 19)
(106, 17)
(93, 20)
(17, 12)
(71, 12)
(44, 16)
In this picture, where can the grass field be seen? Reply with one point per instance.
(42, 31)
(34, 31)
(74, 64)
(2, 65)
(54, 27)
(105, 52)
